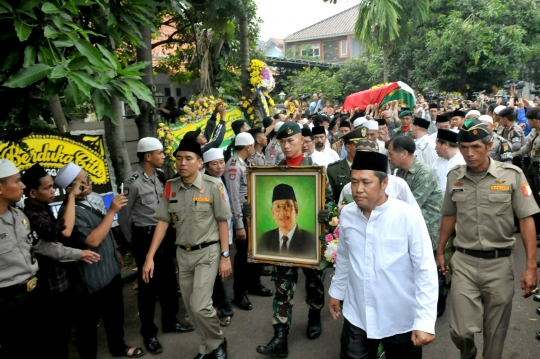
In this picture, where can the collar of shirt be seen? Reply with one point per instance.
(415, 165)
(8, 216)
(197, 183)
(289, 235)
(492, 169)
(421, 139)
(349, 163)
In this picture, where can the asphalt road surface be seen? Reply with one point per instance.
(251, 328)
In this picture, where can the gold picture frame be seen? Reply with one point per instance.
(269, 220)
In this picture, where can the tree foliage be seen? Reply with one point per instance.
(82, 50)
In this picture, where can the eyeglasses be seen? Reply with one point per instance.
(87, 177)
(282, 207)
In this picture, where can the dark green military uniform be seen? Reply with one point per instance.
(339, 174)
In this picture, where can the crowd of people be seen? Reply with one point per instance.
(439, 192)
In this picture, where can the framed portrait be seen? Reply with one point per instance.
(283, 228)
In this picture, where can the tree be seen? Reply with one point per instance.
(381, 24)
(311, 80)
(79, 50)
(359, 73)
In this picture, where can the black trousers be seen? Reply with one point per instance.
(356, 345)
(59, 312)
(222, 298)
(19, 334)
(246, 275)
(163, 283)
(534, 182)
(108, 303)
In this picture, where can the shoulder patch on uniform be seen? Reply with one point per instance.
(233, 162)
(133, 178)
(510, 166)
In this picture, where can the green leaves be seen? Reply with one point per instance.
(92, 54)
(28, 76)
(23, 30)
(49, 8)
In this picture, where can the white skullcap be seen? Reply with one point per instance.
(213, 154)
(148, 144)
(7, 168)
(67, 174)
(498, 109)
(244, 139)
(371, 125)
(278, 126)
(473, 113)
(359, 121)
(486, 118)
(303, 121)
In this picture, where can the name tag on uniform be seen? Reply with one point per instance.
(174, 201)
(458, 190)
(500, 188)
(201, 199)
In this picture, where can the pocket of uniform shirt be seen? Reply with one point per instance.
(174, 207)
(394, 244)
(201, 206)
(5, 256)
(500, 201)
(459, 197)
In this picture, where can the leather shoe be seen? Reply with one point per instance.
(221, 351)
(178, 328)
(260, 290)
(313, 331)
(205, 356)
(536, 297)
(243, 303)
(153, 345)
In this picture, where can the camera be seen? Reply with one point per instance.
(536, 90)
(518, 85)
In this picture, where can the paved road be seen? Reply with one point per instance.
(254, 327)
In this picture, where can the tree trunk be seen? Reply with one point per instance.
(58, 114)
(146, 121)
(385, 63)
(116, 143)
(244, 54)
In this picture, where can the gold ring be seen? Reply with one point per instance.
(535, 291)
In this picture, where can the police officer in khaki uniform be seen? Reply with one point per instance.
(143, 190)
(19, 298)
(481, 197)
(273, 152)
(510, 130)
(533, 170)
(501, 150)
(196, 203)
(247, 277)
(258, 158)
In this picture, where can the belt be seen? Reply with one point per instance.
(24, 287)
(499, 253)
(145, 229)
(200, 246)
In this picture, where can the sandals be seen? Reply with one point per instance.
(225, 322)
(134, 352)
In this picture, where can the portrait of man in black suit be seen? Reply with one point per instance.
(288, 239)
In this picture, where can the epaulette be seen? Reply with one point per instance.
(233, 162)
(456, 167)
(214, 180)
(174, 179)
(333, 163)
(160, 170)
(510, 166)
(132, 178)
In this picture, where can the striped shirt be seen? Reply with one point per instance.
(97, 275)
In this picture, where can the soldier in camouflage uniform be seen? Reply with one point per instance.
(422, 181)
(501, 150)
(285, 278)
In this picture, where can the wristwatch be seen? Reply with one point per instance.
(225, 254)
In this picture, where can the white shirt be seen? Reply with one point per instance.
(433, 136)
(442, 166)
(397, 188)
(425, 149)
(289, 235)
(320, 158)
(386, 273)
(332, 155)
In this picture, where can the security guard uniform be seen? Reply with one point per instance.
(196, 209)
(258, 159)
(533, 170)
(19, 298)
(501, 150)
(514, 135)
(246, 276)
(137, 222)
(273, 152)
(483, 266)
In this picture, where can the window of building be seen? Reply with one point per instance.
(314, 51)
(343, 48)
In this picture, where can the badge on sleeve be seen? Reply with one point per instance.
(175, 217)
(526, 189)
(505, 147)
(25, 224)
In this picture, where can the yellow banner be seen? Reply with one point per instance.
(54, 152)
(233, 114)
